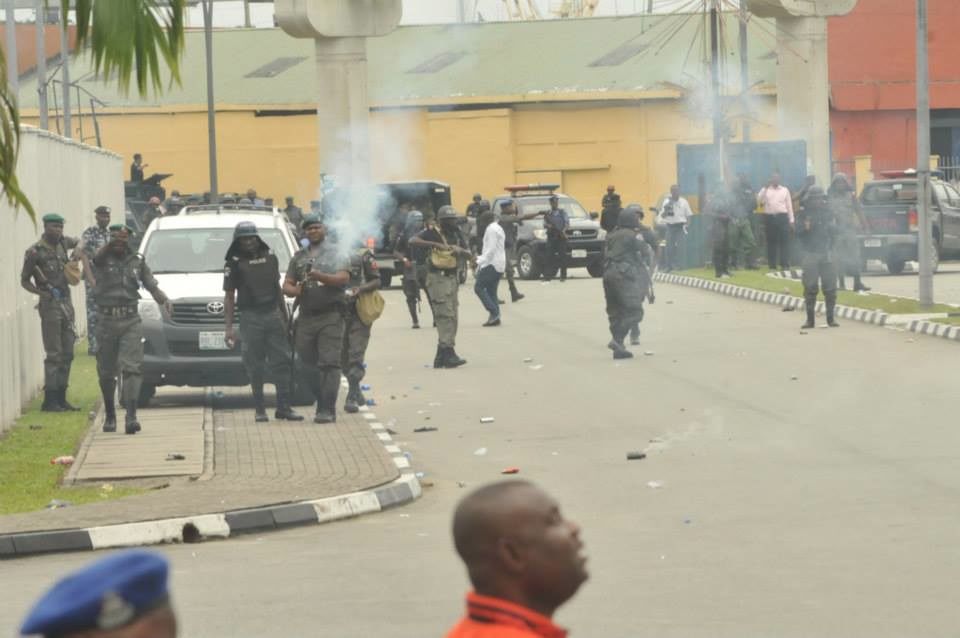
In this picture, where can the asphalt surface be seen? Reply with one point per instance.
(795, 485)
(946, 282)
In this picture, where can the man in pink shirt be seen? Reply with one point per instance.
(778, 206)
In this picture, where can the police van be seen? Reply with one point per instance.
(186, 253)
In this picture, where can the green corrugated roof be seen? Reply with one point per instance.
(453, 62)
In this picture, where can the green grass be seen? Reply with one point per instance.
(27, 479)
(758, 279)
(951, 321)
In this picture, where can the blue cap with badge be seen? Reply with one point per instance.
(107, 594)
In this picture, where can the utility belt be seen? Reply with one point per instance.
(452, 272)
(117, 311)
(314, 312)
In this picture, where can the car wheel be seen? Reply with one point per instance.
(527, 264)
(147, 392)
(595, 269)
(895, 265)
(385, 278)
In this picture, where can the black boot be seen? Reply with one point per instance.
(451, 359)
(260, 410)
(327, 397)
(351, 405)
(284, 412)
(51, 402)
(66, 405)
(619, 350)
(108, 388)
(811, 306)
(858, 284)
(438, 359)
(131, 424)
(515, 294)
(412, 307)
(831, 308)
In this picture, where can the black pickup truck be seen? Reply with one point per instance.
(890, 207)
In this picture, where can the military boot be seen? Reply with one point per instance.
(66, 405)
(108, 388)
(438, 359)
(260, 410)
(284, 411)
(327, 397)
(131, 424)
(451, 359)
(831, 309)
(51, 402)
(619, 350)
(412, 307)
(351, 404)
(810, 303)
(858, 284)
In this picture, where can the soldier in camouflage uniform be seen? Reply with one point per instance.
(92, 240)
(43, 275)
(317, 277)
(443, 284)
(625, 282)
(364, 277)
(251, 279)
(648, 253)
(119, 274)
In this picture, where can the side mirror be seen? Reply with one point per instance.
(594, 214)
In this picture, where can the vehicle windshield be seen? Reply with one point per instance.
(191, 250)
(536, 205)
(890, 193)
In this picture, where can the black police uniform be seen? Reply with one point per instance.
(817, 233)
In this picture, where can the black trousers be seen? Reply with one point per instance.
(556, 257)
(778, 240)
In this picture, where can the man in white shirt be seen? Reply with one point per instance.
(490, 266)
(675, 214)
(778, 206)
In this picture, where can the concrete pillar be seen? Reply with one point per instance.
(803, 83)
(340, 29)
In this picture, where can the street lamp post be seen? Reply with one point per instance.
(924, 234)
(211, 112)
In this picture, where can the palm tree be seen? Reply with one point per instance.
(127, 38)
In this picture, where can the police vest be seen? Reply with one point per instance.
(258, 281)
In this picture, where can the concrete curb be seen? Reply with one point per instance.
(873, 317)
(226, 524)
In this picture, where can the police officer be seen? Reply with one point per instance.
(317, 277)
(722, 207)
(850, 221)
(123, 595)
(610, 210)
(414, 265)
(510, 220)
(742, 243)
(251, 279)
(555, 222)
(119, 273)
(447, 246)
(485, 217)
(623, 281)
(648, 253)
(293, 212)
(91, 241)
(473, 208)
(611, 198)
(152, 212)
(43, 275)
(817, 232)
(364, 278)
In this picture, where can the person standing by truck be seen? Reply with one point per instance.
(510, 220)
(251, 279)
(850, 223)
(555, 222)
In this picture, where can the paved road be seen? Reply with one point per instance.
(826, 505)
(946, 283)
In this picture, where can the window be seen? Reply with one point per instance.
(196, 250)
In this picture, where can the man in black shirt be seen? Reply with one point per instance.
(817, 234)
(136, 169)
(414, 265)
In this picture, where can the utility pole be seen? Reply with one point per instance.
(246, 14)
(211, 113)
(13, 79)
(65, 74)
(924, 234)
(718, 132)
(41, 25)
(744, 66)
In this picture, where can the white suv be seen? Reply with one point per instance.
(186, 253)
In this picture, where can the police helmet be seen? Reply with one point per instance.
(414, 218)
(636, 209)
(484, 205)
(815, 196)
(628, 219)
(446, 212)
(245, 229)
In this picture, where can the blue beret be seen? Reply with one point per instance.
(109, 593)
(53, 218)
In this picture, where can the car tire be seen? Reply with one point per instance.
(385, 279)
(147, 392)
(527, 265)
(895, 265)
(595, 269)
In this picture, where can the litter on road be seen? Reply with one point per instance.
(537, 366)
(635, 456)
(176, 457)
(56, 504)
(62, 460)
(528, 360)
(510, 470)
(486, 419)
(648, 353)
(655, 485)
(425, 428)
(481, 451)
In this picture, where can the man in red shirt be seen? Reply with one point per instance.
(524, 560)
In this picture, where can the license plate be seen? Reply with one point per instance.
(872, 243)
(213, 341)
(578, 254)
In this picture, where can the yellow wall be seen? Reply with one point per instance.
(584, 146)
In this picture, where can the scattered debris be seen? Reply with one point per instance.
(416, 387)
(787, 309)
(408, 456)
(419, 475)
(461, 484)
(538, 366)
(794, 378)
(655, 485)
(365, 387)
(434, 404)
(648, 353)
(480, 451)
(389, 431)
(176, 457)
(106, 487)
(56, 504)
(486, 419)
(687, 521)
(510, 470)
(425, 428)
(635, 456)
(528, 360)
(803, 332)
(36, 427)
(62, 460)
(426, 483)
(393, 397)
(371, 402)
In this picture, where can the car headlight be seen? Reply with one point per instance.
(601, 234)
(539, 233)
(149, 310)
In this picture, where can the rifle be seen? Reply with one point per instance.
(54, 292)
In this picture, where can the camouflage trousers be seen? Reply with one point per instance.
(356, 336)
(443, 290)
(120, 353)
(91, 321)
(624, 296)
(59, 337)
